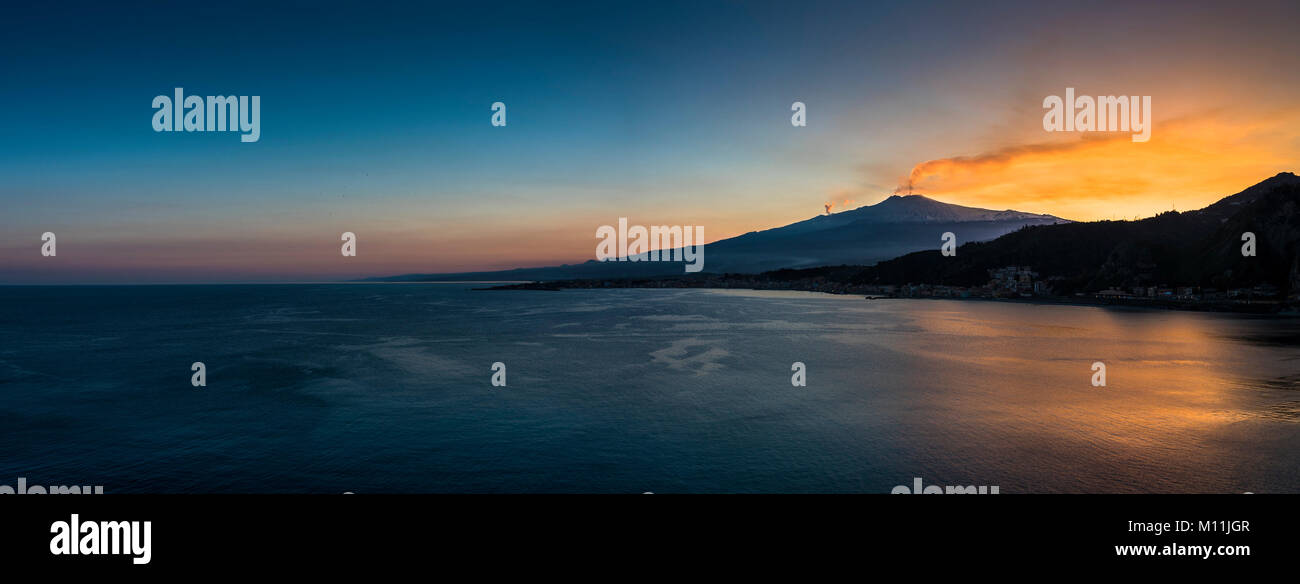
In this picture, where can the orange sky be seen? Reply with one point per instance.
(1187, 164)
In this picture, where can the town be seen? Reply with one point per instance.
(1005, 283)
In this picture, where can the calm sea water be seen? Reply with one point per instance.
(386, 388)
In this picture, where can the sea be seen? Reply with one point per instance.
(388, 388)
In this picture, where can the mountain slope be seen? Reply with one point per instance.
(862, 236)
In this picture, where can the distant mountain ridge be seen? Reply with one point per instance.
(920, 208)
(905, 209)
(861, 236)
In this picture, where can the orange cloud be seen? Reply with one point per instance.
(1187, 164)
(947, 167)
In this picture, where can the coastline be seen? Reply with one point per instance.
(1256, 307)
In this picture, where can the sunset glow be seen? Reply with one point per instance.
(392, 140)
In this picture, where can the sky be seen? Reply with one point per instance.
(375, 119)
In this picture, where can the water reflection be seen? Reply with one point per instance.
(1009, 385)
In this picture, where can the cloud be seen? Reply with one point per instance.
(1189, 162)
(1003, 157)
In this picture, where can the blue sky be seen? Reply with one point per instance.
(375, 119)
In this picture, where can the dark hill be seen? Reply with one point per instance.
(1196, 248)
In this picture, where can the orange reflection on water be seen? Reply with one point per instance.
(1011, 384)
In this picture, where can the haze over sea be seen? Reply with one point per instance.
(385, 388)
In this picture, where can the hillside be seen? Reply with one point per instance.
(1196, 248)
